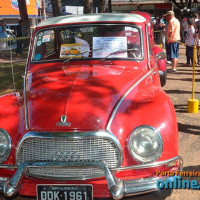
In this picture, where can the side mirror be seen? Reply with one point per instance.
(161, 56)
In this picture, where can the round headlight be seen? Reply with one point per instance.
(145, 144)
(5, 145)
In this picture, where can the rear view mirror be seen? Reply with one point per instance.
(161, 56)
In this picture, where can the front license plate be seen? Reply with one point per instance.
(64, 192)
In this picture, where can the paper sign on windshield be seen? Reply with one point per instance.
(109, 45)
(46, 38)
(70, 50)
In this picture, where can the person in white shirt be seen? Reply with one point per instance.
(184, 28)
(197, 38)
(190, 41)
(196, 18)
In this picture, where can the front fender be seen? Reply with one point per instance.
(12, 119)
(153, 108)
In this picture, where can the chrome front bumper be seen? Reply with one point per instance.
(118, 188)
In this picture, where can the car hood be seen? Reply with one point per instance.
(80, 96)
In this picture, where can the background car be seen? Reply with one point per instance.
(155, 49)
(11, 44)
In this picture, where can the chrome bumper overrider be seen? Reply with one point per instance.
(118, 188)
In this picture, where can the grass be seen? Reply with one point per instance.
(6, 78)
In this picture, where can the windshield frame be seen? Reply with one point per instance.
(87, 58)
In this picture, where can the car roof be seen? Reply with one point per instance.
(105, 17)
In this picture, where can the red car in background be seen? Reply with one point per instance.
(93, 124)
(155, 49)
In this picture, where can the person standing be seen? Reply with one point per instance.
(167, 46)
(157, 30)
(173, 37)
(3, 35)
(19, 33)
(190, 40)
(184, 28)
(196, 18)
(197, 38)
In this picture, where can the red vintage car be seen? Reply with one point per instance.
(92, 125)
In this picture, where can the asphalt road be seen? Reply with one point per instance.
(179, 88)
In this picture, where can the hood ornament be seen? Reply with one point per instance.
(63, 121)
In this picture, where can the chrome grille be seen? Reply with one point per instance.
(88, 149)
(71, 172)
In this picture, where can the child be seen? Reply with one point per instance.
(190, 41)
(198, 48)
(197, 41)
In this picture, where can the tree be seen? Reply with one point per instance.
(24, 16)
(56, 7)
(182, 5)
(109, 6)
(101, 6)
(88, 6)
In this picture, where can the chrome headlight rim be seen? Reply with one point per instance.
(8, 150)
(159, 151)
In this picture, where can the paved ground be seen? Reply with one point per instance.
(179, 88)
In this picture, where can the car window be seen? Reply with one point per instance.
(45, 45)
(96, 41)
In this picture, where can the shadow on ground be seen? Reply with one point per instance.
(189, 128)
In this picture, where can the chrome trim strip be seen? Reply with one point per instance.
(78, 135)
(124, 96)
(83, 178)
(3, 180)
(25, 99)
(142, 166)
(149, 165)
(25, 103)
(148, 45)
(9, 166)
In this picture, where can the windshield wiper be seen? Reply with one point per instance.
(88, 51)
(118, 51)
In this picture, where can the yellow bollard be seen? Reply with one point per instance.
(193, 104)
(161, 39)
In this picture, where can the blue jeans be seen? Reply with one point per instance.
(189, 54)
(168, 51)
(174, 48)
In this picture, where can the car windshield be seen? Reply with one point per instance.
(92, 41)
